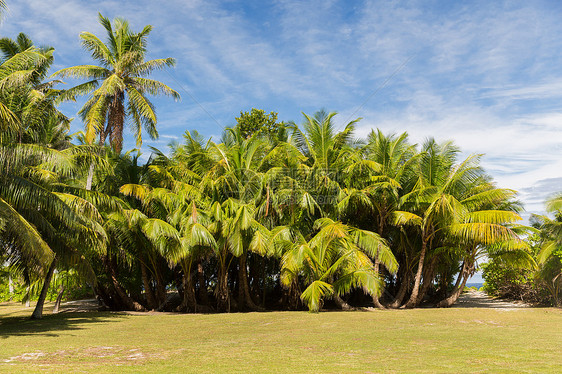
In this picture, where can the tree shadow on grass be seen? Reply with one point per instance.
(53, 325)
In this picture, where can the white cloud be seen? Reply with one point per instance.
(485, 74)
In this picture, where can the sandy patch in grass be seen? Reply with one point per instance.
(114, 355)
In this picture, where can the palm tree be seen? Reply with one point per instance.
(118, 87)
(26, 103)
(394, 159)
(39, 225)
(335, 261)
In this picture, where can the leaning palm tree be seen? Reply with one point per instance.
(453, 202)
(118, 87)
(40, 227)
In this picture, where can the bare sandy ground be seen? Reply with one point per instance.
(469, 299)
(479, 299)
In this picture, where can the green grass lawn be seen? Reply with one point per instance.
(421, 340)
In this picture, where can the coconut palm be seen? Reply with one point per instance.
(39, 225)
(334, 261)
(379, 191)
(26, 102)
(118, 87)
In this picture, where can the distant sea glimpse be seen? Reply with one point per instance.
(477, 285)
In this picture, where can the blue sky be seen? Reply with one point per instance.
(487, 74)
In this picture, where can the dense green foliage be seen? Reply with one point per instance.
(273, 216)
(257, 121)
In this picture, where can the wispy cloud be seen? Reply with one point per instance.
(485, 74)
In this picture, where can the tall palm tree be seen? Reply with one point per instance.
(118, 87)
(395, 159)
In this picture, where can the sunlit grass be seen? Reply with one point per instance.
(424, 340)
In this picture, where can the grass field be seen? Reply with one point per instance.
(421, 340)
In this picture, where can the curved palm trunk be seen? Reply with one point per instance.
(411, 303)
(402, 290)
(38, 312)
(341, 303)
(459, 287)
(124, 298)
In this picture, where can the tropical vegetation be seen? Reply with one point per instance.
(274, 215)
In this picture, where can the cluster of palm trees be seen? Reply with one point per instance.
(298, 216)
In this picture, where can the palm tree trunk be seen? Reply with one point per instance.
(222, 292)
(58, 301)
(28, 297)
(150, 298)
(90, 178)
(291, 296)
(10, 286)
(38, 312)
(126, 299)
(120, 291)
(116, 119)
(341, 303)
(189, 303)
(244, 297)
(428, 276)
(161, 292)
(459, 287)
(189, 293)
(414, 295)
(202, 284)
(402, 290)
(376, 299)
